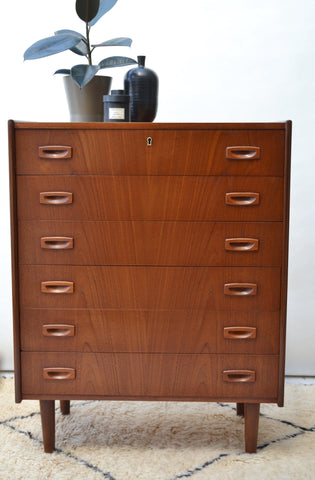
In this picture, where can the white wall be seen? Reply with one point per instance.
(223, 60)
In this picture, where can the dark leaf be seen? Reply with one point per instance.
(82, 74)
(111, 62)
(87, 9)
(51, 46)
(105, 6)
(116, 42)
(65, 71)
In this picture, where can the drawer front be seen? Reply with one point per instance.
(160, 288)
(167, 331)
(172, 152)
(150, 243)
(150, 375)
(150, 198)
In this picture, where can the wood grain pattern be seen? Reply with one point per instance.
(125, 152)
(151, 287)
(14, 260)
(156, 375)
(65, 407)
(150, 198)
(47, 412)
(251, 414)
(284, 278)
(168, 331)
(134, 126)
(149, 243)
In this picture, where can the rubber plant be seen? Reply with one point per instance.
(90, 11)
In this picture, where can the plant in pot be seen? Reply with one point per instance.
(84, 89)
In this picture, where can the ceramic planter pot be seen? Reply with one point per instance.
(86, 104)
(142, 85)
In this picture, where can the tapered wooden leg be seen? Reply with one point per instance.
(65, 407)
(47, 412)
(240, 409)
(251, 412)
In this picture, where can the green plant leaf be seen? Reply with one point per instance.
(83, 74)
(70, 32)
(115, 42)
(81, 48)
(87, 9)
(112, 62)
(65, 71)
(105, 6)
(51, 46)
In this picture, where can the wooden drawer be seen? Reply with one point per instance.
(150, 198)
(150, 375)
(167, 331)
(125, 152)
(150, 243)
(149, 262)
(158, 288)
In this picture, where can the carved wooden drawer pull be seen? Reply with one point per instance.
(239, 333)
(240, 289)
(242, 153)
(59, 373)
(55, 198)
(242, 199)
(57, 287)
(54, 152)
(56, 243)
(239, 376)
(241, 244)
(58, 330)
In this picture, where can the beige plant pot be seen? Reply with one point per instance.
(86, 104)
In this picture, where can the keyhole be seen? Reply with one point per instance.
(149, 141)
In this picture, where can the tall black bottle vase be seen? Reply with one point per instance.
(142, 85)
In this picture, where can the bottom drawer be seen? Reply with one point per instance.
(161, 376)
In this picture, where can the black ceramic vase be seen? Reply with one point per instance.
(142, 85)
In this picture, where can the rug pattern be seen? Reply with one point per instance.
(157, 440)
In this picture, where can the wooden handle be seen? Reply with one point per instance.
(54, 152)
(239, 376)
(241, 244)
(240, 289)
(58, 330)
(242, 153)
(242, 198)
(56, 243)
(59, 373)
(55, 198)
(239, 333)
(57, 287)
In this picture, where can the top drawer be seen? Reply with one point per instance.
(155, 151)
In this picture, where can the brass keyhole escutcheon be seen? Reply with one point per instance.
(149, 141)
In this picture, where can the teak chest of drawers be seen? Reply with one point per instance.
(150, 263)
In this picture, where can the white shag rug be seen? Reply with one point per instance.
(158, 440)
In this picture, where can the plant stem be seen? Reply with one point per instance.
(88, 43)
